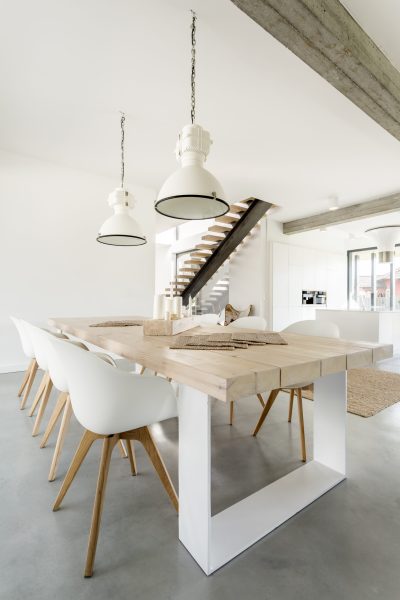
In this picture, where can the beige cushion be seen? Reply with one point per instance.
(231, 314)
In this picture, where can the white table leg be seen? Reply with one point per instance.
(330, 411)
(195, 474)
(214, 541)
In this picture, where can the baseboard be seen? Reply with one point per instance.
(13, 368)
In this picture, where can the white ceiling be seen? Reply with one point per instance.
(281, 133)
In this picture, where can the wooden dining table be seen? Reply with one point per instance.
(227, 375)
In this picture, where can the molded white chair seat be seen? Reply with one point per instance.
(111, 405)
(309, 327)
(28, 350)
(250, 323)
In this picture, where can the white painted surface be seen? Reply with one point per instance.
(295, 268)
(213, 541)
(365, 325)
(330, 412)
(195, 474)
(248, 272)
(294, 142)
(243, 524)
(51, 264)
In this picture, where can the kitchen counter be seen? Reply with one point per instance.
(381, 326)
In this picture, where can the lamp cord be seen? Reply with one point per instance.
(122, 149)
(193, 70)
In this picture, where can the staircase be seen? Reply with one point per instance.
(218, 243)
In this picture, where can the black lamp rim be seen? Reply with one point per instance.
(114, 235)
(219, 200)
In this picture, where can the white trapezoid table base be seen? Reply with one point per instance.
(214, 541)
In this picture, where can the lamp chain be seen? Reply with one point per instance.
(193, 72)
(122, 149)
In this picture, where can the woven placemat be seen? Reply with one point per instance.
(226, 341)
(262, 338)
(118, 324)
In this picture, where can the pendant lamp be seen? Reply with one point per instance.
(386, 237)
(192, 192)
(121, 229)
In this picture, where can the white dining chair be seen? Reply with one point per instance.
(112, 405)
(313, 328)
(54, 371)
(256, 323)
(249, 323)
(27, 348)
(206, 319)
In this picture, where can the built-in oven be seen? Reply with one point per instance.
(313, 297)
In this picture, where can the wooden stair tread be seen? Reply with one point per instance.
(233, 218)
(206, 247)
(200, 254)
(220, 228)
(237, 208)
(194, 261)
(212, 238)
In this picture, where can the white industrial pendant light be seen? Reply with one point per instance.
(192, 192)
(385, 237)
(121, 229)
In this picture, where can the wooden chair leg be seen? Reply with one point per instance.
(25, 379)
(231, 412)
(142, 370)
(122, 449)
(87, 440)
(266, 410)
(43, 404)
(61, 400)
(108, 446)
(132, 456)
(261, 399)
(29, 384)
(291, 406)
(38, 396)
(143, 436)
(65, 421)
(301, 423)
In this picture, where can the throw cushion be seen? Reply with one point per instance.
(231, 314)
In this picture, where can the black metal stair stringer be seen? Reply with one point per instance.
(244, 225)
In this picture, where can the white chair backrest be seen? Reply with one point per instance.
(102, 396)
(24, 337)
(206, 319)
(314, 327)
(54, 365)
(250, 323)
(38, 346)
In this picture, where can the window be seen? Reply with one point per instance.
(372, 285)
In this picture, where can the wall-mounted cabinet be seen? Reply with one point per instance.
(295, 269)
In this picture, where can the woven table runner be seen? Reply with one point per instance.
(226, 341)
(118, 324)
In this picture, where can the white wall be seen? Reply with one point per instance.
(51, 264)
(248, 272)
(294, 267)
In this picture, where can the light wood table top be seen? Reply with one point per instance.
(228, 375)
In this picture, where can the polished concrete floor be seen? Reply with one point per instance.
(345, 546)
